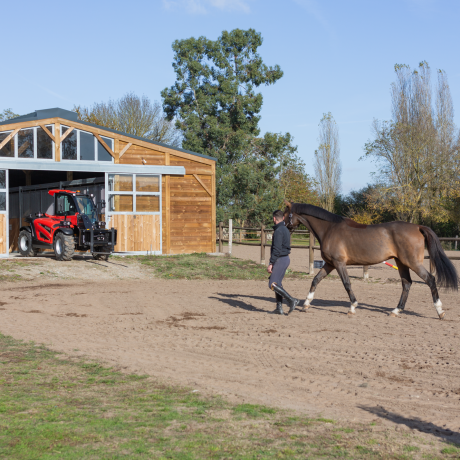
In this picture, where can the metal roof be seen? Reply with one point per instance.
(73, 116)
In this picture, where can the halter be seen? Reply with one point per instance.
(290, 220)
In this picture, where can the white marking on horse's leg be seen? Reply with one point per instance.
(438, 306)
(395, 313)
(309, 298)
(352, 308)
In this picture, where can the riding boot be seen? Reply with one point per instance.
(279, 305)
(291, 301)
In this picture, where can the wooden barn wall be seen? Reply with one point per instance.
(14, 234)
(135, 154)
(140, 232)
(190, 208)
(3, 242)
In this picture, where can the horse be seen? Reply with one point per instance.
(345, 242)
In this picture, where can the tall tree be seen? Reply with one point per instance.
(328, 168)
(417, 152)
(217, 106)
(7, 114)
(134, 115)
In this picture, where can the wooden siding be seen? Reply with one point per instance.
(3, 242)
(190, 214)
(14, 234)
(140, 232)
(135, 154)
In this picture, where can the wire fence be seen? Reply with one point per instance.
(300, 239)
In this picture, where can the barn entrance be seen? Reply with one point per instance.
(132, 196)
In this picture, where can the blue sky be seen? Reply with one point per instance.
(336, 55)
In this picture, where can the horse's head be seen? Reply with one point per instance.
(290, 220)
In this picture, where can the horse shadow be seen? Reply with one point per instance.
(317, 304)
(452, 437)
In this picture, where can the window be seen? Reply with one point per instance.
(83, 146)
(3, 188)
(8, 149)
(135, 193)
(29, 143)
(65, 206)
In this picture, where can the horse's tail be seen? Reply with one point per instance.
(446, 274)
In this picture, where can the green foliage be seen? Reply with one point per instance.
(7, 114)
(216, 105)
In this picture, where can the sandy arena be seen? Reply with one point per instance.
(220, 337)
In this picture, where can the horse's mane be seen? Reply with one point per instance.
(315, 211)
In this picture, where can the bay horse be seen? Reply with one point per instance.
(345, 242)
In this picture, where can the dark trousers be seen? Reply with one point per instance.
(278, 271)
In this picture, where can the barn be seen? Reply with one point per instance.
(161, 199)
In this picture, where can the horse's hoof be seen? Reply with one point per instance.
(350, 313)
(394, 315)
(303, 309)
(442, 315)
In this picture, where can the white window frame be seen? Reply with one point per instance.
(96, 149)
(16, 145)
(133, 193)
(6, 213)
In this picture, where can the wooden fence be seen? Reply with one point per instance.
(311, 243)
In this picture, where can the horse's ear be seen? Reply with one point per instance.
(288, 204)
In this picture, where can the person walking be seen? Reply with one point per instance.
(279, 262)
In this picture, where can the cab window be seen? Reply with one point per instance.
(65, 205)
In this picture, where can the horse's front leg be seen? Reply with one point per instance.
(327, 268)
(343, 273)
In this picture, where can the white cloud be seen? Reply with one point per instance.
(312, 7)
(204, 6)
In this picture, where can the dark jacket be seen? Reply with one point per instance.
(281, 243)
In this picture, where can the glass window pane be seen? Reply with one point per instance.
(86, 146)
(8, 149)
(120, 183)
(26, 143)
(121, 203)
(102, 154)
(148, 183)
(69, 146)
(65, 206)
(44, 144)
(2, 201)
(147, 203)
(2, 178)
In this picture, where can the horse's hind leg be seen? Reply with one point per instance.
(406, 284)
(320, 275)
(430, 280)
(343, 273)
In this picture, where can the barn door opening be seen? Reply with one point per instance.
(133, 207)
(4, 227)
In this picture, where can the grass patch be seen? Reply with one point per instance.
(55, 407)
(202, 266)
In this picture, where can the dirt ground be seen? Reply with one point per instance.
(221, 337)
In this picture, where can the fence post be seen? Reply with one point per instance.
(221, 237)
(311, 254)
(456, 236)
(230, 236)
(366, 272)
(262, 245)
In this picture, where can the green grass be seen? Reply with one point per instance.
(53, 407)
(202, 266)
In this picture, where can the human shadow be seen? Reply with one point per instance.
(232, 301)
(448, 435)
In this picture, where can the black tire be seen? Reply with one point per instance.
(25, 244)
(64, 246)
(104, 257)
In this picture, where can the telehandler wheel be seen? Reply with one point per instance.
(64, 246)
(25, 244)
(104, 257)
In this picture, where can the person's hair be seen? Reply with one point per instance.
(278, 215)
